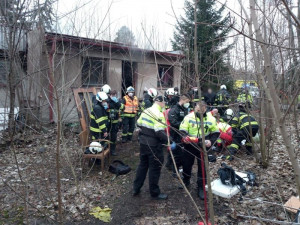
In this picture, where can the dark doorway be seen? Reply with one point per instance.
(128, 75)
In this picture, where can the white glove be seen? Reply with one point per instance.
(243, 142)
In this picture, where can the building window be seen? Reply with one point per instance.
(3, 72)
(166, 76)
(94, 71)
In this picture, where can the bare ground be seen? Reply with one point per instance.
(85, 187)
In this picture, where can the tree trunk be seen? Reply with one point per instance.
(272, 95)
(207, 171)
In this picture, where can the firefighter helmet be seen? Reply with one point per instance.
(95, 147)
(106, 88)
(101, 96)
(223, 87)
(152, 92)
(229, 114)
(130, 89)
(170, 91)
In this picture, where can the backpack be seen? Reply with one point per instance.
(229, 177)
(119, 168)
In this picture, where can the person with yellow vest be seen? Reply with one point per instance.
(192, 139)
(152, 135)
(130, 105)
(245, 98)
(99, 117)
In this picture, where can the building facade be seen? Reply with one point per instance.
(81, 62)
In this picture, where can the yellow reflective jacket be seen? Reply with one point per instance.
(191, 125)
(153, 125)
(243, 98)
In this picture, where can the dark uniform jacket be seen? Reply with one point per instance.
(176, 116)
(113, 111)
(99, 120)
(209, 98)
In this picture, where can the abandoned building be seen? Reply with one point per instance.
(81, 62)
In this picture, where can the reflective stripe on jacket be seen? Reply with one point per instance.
(152, 123)
(243, 98)
(131, 105)
(192, 125)
(242, 120)
(99, 119)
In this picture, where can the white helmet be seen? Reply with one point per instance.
(95, 147)
(170, 91)
(101, 96)
(223, 87)
(106, 88)
(229, 114)
(130, 89)
(152, 92)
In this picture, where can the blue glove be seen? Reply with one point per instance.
(115, 99)
(173, 146)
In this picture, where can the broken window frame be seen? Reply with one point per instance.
(162, 71)
(95, 75)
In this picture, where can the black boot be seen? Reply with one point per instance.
(201, 193)
(135, 192)
(161, 196)
(129, 138)
(249, 150)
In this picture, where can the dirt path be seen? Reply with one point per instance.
(36, 159)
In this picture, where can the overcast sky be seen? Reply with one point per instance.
(148, 19)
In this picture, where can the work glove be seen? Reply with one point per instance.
(188, 140)
(173, 146)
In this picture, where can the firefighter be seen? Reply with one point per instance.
(245, 98)
(130, 104)
(151, 137)
(99, 118)
(113, 117)
(148, 99)
(169, 95)
(223, 99)
(243, 125)
(193, 92)
(191, 129)
(175, 117)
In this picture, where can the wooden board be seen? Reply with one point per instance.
(293, 204)
(83, 98)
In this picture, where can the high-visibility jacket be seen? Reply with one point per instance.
(99, 121)
(191, 125)
(242, 120)
(225, 133)
(153, 126)
(130, 106)
(244, 98)
(222, 98)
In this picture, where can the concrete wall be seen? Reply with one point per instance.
(114, 77)
(147, 77)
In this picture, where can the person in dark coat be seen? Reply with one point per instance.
(175, 116)
(209, 98)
